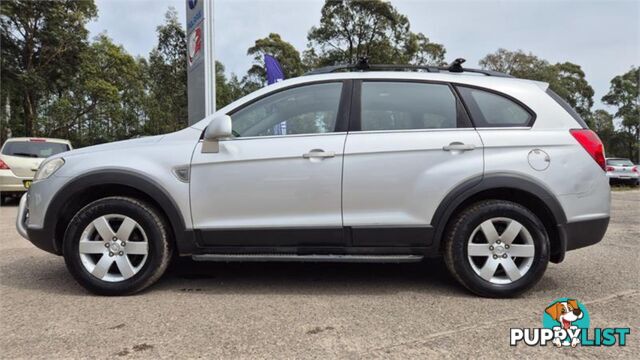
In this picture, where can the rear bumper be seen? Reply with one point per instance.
(623, 176)
(9, 182)
(579, 234)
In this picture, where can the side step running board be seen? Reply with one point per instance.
(308, 258)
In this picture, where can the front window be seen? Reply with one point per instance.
(309, 109)
(34, 149)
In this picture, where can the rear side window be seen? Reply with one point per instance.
(35, 149)
(405, 106)
(574, 114)
(492, 110)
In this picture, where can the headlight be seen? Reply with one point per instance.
(48, 168)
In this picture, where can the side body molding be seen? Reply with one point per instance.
(477, 185)
(115, 177)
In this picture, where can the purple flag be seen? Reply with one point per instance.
(275, 74)
(274, 71)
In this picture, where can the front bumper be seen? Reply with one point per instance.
(41, 238)
(21, 219)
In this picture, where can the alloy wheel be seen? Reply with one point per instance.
(500, 250)
(113, 248)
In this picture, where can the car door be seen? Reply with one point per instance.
(277, 182)
(411, 143)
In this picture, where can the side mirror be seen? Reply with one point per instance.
(218, 128)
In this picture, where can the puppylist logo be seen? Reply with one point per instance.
(565, 322)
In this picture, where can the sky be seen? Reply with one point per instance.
(602, 36)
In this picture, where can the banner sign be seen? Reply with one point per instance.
(200, 60)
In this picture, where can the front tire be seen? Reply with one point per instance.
(117, 246)
(496, 248)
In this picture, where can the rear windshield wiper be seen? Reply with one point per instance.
(25, 154)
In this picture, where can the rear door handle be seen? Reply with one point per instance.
(458, 146)
(319, 153)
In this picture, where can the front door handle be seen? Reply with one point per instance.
(458, 146)
(319, 153)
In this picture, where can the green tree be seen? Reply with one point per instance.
(624, 94)
(427, 52)
(566, 79)
(103, 102)
(166, 107)
(40, 46)
(602, 123)
(223, 92)
(515, 63)
(350, 29)
(284, 52)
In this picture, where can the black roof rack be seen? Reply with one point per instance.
(363, 65)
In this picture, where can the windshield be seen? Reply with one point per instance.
(619, 162)
(33, 149)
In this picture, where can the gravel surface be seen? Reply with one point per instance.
(310, 310)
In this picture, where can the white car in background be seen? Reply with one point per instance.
(21, 157)
(620, 170)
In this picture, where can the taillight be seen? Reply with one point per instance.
(4, 166)
(590, 142)
(634, 169)
(37, 140)
(609, 168)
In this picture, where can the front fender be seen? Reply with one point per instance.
(93, 181)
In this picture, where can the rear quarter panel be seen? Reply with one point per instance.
(578, 183)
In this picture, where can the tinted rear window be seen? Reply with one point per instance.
(619, 162)
(492, 110)
(565, 105)
(33, 149)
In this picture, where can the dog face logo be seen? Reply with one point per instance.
(566, 317)
(565, 312)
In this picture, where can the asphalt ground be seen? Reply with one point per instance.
(276, 311)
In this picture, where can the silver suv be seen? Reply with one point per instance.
(498, 175)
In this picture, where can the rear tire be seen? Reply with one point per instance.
(117, 246)
(481, 244)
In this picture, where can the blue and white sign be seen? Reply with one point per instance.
(200, 60)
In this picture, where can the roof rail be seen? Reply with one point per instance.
(363, 65)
